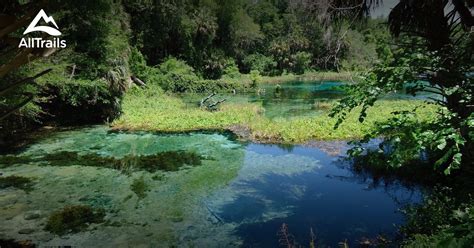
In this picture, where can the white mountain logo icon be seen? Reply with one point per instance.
(42, 15)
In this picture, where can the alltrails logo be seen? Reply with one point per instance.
(40, 42)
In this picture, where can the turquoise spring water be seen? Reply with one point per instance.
(217, 192)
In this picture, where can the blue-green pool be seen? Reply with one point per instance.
(220, 193)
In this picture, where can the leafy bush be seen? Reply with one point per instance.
(176, 82)
(137, 63)
(215, 65)
(440, 221)
(360, 55)
(177, 76)
(264, 64)
(153, 76)
(255, 78)
(231, 70)
(174, 65)
(80, 101)
(445, 139)
(302, 61)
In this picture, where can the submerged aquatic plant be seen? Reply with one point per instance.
(9, 160)
(285, 238)
(139, 187)
(165, 161)
(72, 219)
(18, 182)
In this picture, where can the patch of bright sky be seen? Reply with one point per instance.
(383, 9)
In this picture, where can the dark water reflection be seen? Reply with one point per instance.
(328, 198)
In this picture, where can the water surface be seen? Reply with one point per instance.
(225, 194)
(295, 98)
(286, 100)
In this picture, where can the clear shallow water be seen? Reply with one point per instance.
(290, 100)
(238, 195)
(294, 99)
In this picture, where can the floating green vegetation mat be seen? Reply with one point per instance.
(18, 182)
(160, 112)
(165, 161)
(154, 110)
(72, 219)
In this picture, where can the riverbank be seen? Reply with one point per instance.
(153, 110)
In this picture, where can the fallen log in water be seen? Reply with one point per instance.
(212, 106)
(204, 100)
(138, 82)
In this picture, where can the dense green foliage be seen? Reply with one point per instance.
(272, 37)
(87, 78)
(441, 220)
(416, 69)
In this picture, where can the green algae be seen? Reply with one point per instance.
(162, 161)
(98, 201)
(66, 172)
(18, 182)
(73, 219)
(9, 160)
(139, 187)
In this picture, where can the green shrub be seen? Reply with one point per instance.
(177, 76)
(441, 220)
(460, 234)
(176, 82)
(174, 65)
(231, 70)
(302, 61)
(255, 78)
(137, 63)
(264, 64)
(81, 101)
(213, 66)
